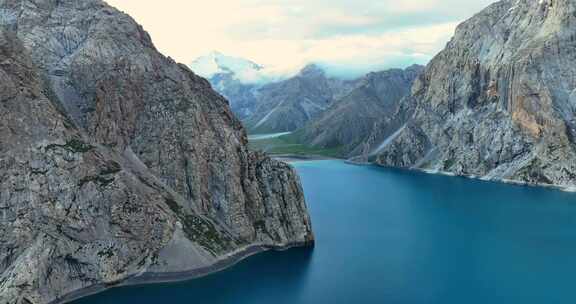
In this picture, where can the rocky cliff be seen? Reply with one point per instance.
(116, 163)
(499, 102)
(351, 120)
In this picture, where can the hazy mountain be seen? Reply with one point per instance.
(288, 105)
(351, 119)
(119, 164)
(234, 78)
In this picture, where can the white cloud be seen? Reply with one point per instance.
(285, 34)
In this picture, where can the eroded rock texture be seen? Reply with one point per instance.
(499, 101)
(117, 162)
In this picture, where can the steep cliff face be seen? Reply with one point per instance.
(349, 122)
(117, 163)
(498, 102)
(288, 105)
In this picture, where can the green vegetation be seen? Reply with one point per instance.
(205, 233)
(100, 180)
(200, 230)
(290, 145)
(449, 163)
(73, 145)
(173, 205)
(111, 168)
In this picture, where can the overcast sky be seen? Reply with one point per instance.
(348, 35)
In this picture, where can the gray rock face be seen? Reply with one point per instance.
(498, 101)
(117, 163)
(349, 122)
(288, 105)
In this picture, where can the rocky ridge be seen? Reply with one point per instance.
(349, 122)
(498, 102)
(288, 105)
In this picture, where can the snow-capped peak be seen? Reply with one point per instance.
(218, 63)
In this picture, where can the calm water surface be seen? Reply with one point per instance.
(389, 236)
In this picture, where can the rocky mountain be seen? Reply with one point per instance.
(118, 165)
(237, 79)
(269, 104)
(498, 102)
(288, 105)
(349, 122)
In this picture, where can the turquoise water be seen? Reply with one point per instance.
(391, 236)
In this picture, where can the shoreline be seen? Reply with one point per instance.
(147, 278)
(299, 157)
(567, 189)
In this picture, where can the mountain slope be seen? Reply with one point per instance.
(118, 163)
(498, 102)
(288, 105)
(348, 123)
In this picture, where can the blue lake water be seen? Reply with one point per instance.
(391, 236)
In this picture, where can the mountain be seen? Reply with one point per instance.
(118, 165)
(498, 102)
(347, 124)
(217, 63)
(288, 105)
(235, 78)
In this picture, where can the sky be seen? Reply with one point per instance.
(348, 37)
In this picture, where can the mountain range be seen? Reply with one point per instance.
(497, 103)
(289, 104)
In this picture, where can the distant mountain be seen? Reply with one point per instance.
(288, 105)
(217, 63)
(349, 122)
(235, 78)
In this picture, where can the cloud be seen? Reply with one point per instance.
(347, 36)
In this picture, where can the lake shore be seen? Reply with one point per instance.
(571, 189)
(146, 278)
(299, 157)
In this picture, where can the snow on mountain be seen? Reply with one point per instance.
(217, 63)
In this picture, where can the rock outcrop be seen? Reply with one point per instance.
(499, 101)
(117, 163)
(351, 120)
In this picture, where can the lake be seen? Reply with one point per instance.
(392, 236)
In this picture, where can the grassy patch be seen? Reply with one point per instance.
(73, 145)
(100, 180)
(204, 233)
(200, 230)
(289, 144)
